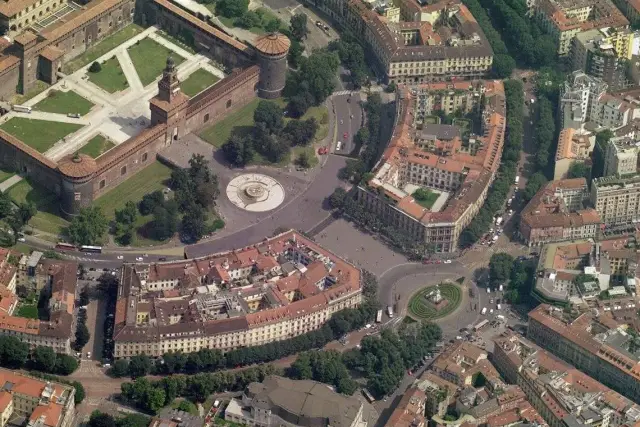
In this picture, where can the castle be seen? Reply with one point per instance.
(258, 70)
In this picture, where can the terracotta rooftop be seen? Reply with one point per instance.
(273, 44)
(77, 166)
(10, 8)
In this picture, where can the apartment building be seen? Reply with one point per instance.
(590, 344)
(450, 161)
(574, 146)
(578, 99)
(431, 42)
(565, 19)
(556, 214)
(621, 156)
(559, 392)
(281, 401)
(603, 53)
(277, 289)
(60, 280)
(616, 199)
(410, 411)
(42, 403)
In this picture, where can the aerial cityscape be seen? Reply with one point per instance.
(403, 213)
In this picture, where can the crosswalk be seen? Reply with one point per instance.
(342, 92)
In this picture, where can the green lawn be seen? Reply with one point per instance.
(149, 59)
(146, 181)
(38, 87)
(48, 217)
(5, 174)
(111, 77)
(198, 81)
(428, 201)
(103, 47)
(64, 103)
(29, 311)
(421, 308)
(97, 146)
(178, 42)
(264, 14)
(39, 134)
(311, 152)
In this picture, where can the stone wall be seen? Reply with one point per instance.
(128, 158)
(9, 80)
(231, 93)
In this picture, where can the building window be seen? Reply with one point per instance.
(144, 157)
(228, 103)
(102, 184)
(123, 170)
(206, 117)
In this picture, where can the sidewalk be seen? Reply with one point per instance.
(10, 182)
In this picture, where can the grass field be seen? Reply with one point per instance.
(264, 14)
(38, 87)
(311, 152)
(111, 77)
(97, 146)
(428, 201)
(149, 59)
(64, 103)
(5, 174)
(422, 309)
(107, 44)
(38, 134)
(197, 82)
(29, 311)
(176, 41)
(48, 217)
(146, 181)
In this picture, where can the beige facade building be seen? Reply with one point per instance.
(450, 161)
(573, 146)
(43, 403)
(592, 343)
(434, 42)
(617, 200)
(561, 394)
(278, 289)
(621, 156)
(18, 15)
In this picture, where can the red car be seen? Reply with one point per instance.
(346, 135)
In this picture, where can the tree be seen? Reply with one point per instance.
(194, 223)
(503, 66)
(84, 296)
(270, 114)
(165, 222)
(139, 366)
(295, 53)
(272, 25)
(298, 26)
(65, 364)
(304, 160)
(80, 393)
(578, 170)
(186, 406)
(249, 19)
(500, 266)
(128, 214)
(232, 8)
(100, 419)
(120, 368)
(82, 336)
(238, 150)
(26, 211)
(13, 352)
(108, 284)
(150, 201)
(336, 200)
(95, 67)
(534, 184)
(88, 227)
(44, 359)
(301, 132)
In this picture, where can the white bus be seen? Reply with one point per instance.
(368, 395)
(481, 325)
(22, 109)
(390, 311)
(379, 316)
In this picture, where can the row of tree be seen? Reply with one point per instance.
(269, 137)
(382, 360)
(101, 419)
(82, 332)
(506, 174)
(518, 276)
(151, 396)
(14, 354)
(352, 57)
(16, 215)
(207, 360)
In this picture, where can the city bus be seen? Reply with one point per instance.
(368, 395)
(481, 325)
(92, 249)
(379, 316)
(65, 246)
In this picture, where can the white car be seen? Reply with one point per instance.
(447, 261)
(120, 257)
(139, 259)
(21, 239)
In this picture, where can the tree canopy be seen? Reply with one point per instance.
(88, 227)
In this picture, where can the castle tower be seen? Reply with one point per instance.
(77, 173)
(169, 106)
(272, 52)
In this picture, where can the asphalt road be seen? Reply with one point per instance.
(346, 107)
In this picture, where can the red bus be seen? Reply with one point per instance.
(66, 246)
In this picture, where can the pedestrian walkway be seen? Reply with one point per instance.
(342, 92)
(129, 70)
(10, 182)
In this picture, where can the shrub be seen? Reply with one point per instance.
(95, 67)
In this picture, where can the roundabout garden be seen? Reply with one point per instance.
(435, 302)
